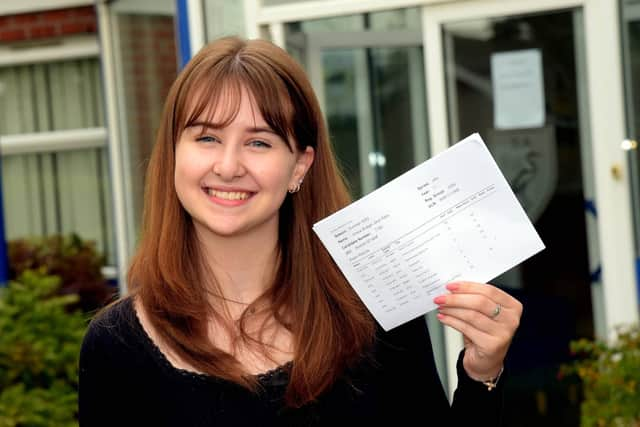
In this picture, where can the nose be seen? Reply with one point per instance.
(228, 165)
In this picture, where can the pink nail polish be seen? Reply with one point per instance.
(440, 316)
(439, 300)
(452, 286)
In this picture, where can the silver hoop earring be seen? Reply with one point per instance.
(295, 188)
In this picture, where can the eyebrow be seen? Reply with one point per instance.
(251, 129)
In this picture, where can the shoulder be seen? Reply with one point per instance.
(111, 330)
(114, 361)
(116, 318)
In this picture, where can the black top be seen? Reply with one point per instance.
(126, 380)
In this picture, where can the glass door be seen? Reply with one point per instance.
(541, 148)
(368, 72)
(519, 74)
(374, 96)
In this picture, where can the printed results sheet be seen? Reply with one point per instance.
(453, 217)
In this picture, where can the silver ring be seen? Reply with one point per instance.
(496, 311)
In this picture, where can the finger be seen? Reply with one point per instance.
(505, 317)
(488, 290)
(475, 335)
(477, 302)
(475, 318)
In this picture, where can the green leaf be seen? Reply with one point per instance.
(40, 339)
(610, 373)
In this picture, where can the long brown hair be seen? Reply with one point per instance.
(330, 326)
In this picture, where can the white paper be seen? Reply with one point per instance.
(454, 217)
(518, 89)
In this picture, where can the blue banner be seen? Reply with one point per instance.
(182, 33)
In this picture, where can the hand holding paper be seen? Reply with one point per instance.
(487, 317)
(452, 218)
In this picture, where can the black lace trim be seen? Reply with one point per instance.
(276, 376)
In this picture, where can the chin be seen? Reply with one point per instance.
(227, 227)
(225, 231)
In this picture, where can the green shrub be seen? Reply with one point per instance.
(39, 346)
(610, 374)
(38, 407)
(74, 260)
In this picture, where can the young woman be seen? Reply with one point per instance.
(237, 314)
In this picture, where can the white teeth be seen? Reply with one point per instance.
(228, 195)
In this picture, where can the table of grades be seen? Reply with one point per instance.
(453, 217)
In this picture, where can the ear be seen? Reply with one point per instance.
(303, 163)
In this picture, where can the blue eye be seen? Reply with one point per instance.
(259, 144)
(207, 139)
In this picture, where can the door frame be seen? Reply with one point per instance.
(125, 235)
(606, 126)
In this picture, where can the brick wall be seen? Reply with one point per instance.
(47, 24)
(148, 52)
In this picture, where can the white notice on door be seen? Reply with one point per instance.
(518, 89)
(454, 217)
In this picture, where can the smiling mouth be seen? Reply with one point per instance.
(228, 195)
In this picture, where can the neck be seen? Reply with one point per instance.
(243, 265)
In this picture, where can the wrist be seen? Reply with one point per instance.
(481, 368)
(490, 382)
(487, 375)
(472, 380)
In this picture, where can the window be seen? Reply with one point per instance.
(55, 171)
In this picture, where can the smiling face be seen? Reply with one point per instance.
(232, 176)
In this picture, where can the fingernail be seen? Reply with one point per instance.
(452, 286)
(439, 300)
(440, 316)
